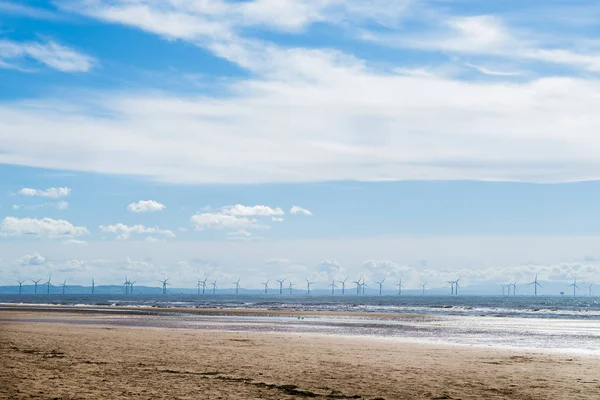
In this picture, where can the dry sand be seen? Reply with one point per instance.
(50, 360)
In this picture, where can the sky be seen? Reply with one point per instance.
(261, 139)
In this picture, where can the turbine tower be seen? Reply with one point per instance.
(281, 285)
(575, 287)
(204, 285)
(291, 286)
(164, 282)
(266, 286)
(535, 285)
(514, 285)
(343, 283)
(214, 285)
(451, 287)
(399, 286)
(93, 286)
(64, 286)
(237, 285)
(198, 285)
(423, 286)
(590, 290)
(48, 284)
(20, 287)
(126, 284)
(308, 283)
(333, 286)
(380, 285)
(35, 285)
(364, 285)
(456, 286)
(357, 286)
(131, 286)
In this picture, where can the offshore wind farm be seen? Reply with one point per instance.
(556, 302)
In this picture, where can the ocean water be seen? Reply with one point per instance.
(554, 307)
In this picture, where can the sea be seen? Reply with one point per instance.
(553, 307)
(541, 323)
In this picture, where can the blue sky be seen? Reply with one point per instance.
(419, 138)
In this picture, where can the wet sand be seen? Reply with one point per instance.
(43, 356)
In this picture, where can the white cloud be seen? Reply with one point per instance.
(61, 205)
(32, 259)
(222, 221)
(300, 210)
(43, 228)
(53, 193)
(488, 71)
(75, 242)
(250, 211)
(146, 206)
(52, 54)
(124, 232)
(491, 132)
(277, 219)
(352, 120)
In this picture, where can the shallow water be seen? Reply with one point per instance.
(563, 335)
(554, 307)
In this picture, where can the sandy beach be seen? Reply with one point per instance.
(43, 355)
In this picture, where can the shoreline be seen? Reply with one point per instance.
(90, 361)
(237, 312)
(463, 331)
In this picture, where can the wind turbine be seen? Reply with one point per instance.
(590, 290)
(423, 285)
(343, 285)
(64, 286)
(126, 284)
(456, 286)
(93, 286)
(574, 286)
(237, 285)
(198, 285)
(20, 287)
(214, 285)
(504, 286)
(514, 285)
(451, 287)
(281, 285)
(266, 286)
(332, 286)
(164, 282)
(291, 286)
(535, 285)
(35, 285)
(399, 286)
(380, 286)
(49, 284)
(357, 286)
(364, 285)
(308, 283)
(131, 286)
(204, 285)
